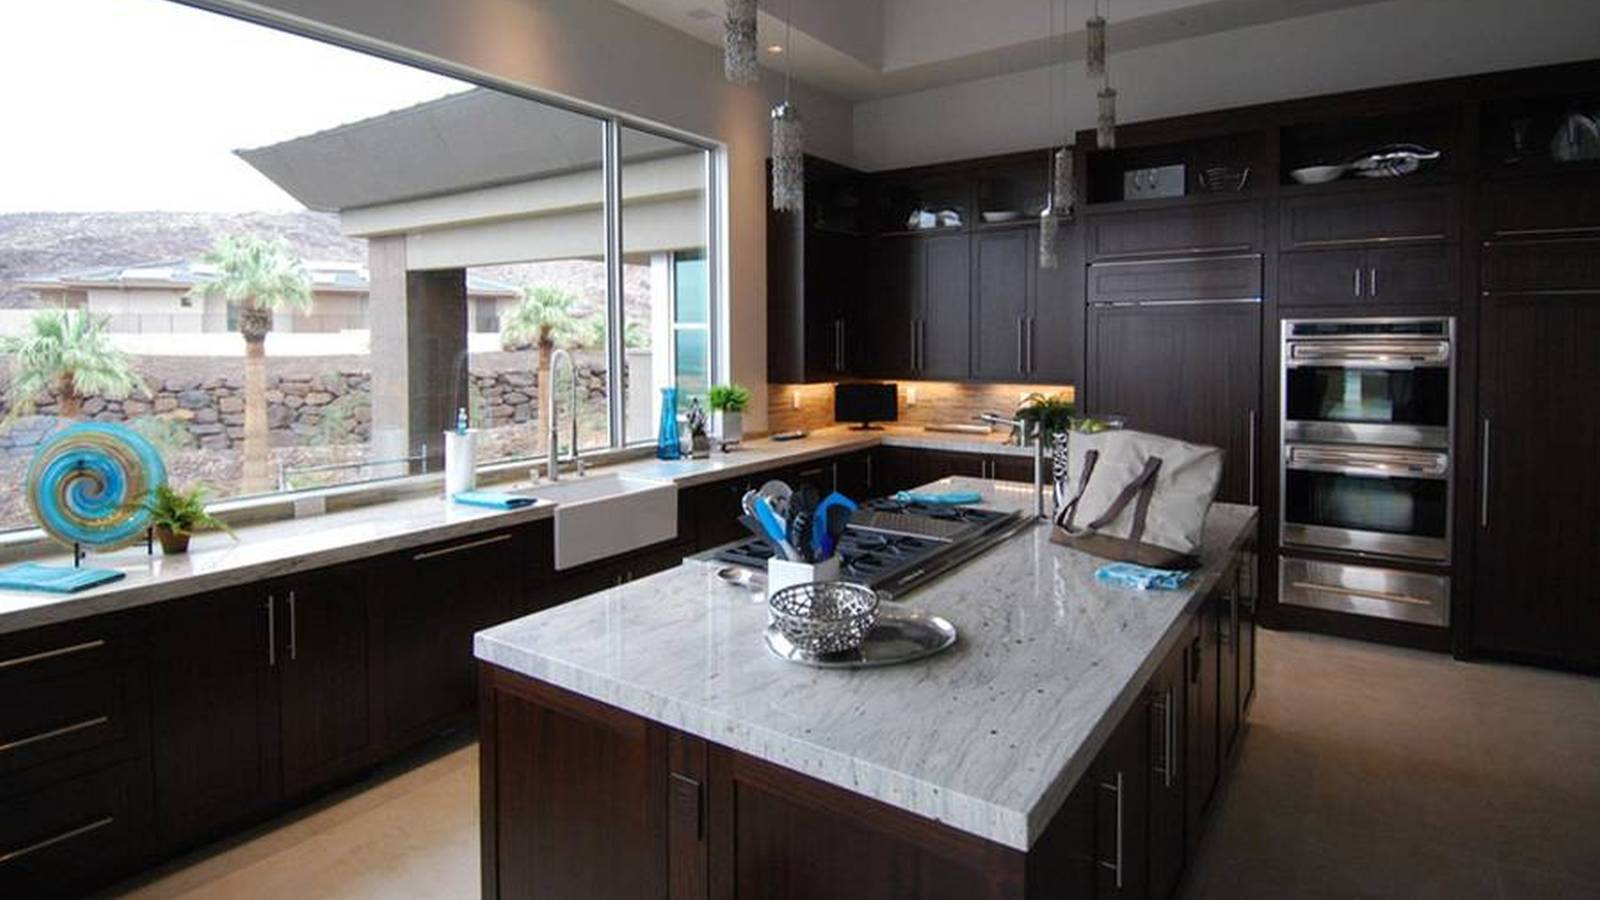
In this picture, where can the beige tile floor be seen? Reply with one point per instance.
(1367, 772)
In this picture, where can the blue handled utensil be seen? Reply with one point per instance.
(832, 515)
(774, 526)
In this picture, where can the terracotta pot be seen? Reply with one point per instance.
(172, 542)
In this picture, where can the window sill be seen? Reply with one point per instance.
(27, 543)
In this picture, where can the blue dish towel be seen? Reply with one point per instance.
(494, 499)
(54, 579)
(948, 498)
(1141, 578)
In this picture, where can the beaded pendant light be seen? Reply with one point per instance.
(1061, 199)
(1105, 131)
(788, 140)
(739, 64)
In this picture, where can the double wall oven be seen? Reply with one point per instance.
(1367, 475)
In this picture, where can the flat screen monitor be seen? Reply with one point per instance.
(864, 403)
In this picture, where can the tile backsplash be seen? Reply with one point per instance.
(921, 402)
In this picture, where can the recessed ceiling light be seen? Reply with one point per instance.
(774, 48)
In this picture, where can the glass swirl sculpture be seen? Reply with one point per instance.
(88, 485)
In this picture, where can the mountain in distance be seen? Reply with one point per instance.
(50, 243)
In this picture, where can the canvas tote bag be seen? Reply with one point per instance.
(1136, 497)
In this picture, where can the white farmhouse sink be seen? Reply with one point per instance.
(598, 516)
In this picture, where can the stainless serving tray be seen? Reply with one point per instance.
(895, 638)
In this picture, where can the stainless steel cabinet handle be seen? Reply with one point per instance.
(1358, 281)
(1372, 281)
(20, 852)
(835, 475)
(1020, 351)
(446, 551)
(922, 332)
(838, 344)
(1031, 323)
(294, 630)
(63, 731)
(50, 654)
(1483, 482)
(272, 634)
(1250, 459)
(1115, 866)
(1163, 702)
(913, 344)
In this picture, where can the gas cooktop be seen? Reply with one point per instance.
(890, 545)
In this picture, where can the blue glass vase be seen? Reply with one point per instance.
(667, 431)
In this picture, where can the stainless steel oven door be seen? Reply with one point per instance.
(1387, 501)
(1394, 392)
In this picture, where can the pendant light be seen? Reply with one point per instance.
(1060, 199)
(788, 140)
(739, 64)
(1105, 132)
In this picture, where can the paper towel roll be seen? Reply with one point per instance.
(460, 462)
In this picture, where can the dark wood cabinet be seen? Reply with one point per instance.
(1546, 207)
(214, 703)
(1541, 267)
(1190, 371)
(64, 839)
(435, 598)
(944, 326)
(327, 715)
(579, 805)
(1408, 275)
(1002, 303)
(1354, 217)
(1230, 277)
(916, 312)
(892, 307)
(1533, 599)
(814, 273)
(1027, 321)
(1166, 707)
(1234, 227)
(853, 475)
(1224, 617)
(1121, 788)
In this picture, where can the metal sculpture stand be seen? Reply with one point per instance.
(79, 554)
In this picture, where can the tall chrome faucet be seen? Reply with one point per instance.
(552, 459)
(1038, 452)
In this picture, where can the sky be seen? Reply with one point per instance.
(121, 105)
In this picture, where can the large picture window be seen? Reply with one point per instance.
(291, 264)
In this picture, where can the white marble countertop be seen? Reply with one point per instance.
(988, 737)
(279, 548)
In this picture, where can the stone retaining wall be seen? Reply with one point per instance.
(332, 407)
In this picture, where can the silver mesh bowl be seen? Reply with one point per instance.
(824, 616)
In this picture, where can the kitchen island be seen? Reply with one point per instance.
(642, 740)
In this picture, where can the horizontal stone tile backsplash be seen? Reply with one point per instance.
(936, 402)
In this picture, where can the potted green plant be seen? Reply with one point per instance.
(727, 402)
(176, 514)
(1052, 411)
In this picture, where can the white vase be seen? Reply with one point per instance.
(782, 573)
(729, 426)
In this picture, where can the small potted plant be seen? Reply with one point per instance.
(1054, 412)
(177, 514)
(727, 402)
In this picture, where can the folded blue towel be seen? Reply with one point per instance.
(948, 498)
(494, 499)
(54, 579)
(1141, 578)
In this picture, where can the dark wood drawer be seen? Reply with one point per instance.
(1542, 207)
(1362, 217)
(1218, 228)
(74, 721)
(1216, 278)
(58, 840)
(1544, 267)
(76, 697)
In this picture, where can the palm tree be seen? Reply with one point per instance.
(67, 350)
(261, 276)
(543, 318)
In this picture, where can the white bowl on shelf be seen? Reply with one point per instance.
(1316, 174)
(995, 216)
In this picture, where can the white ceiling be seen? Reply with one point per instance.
(861, 49)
